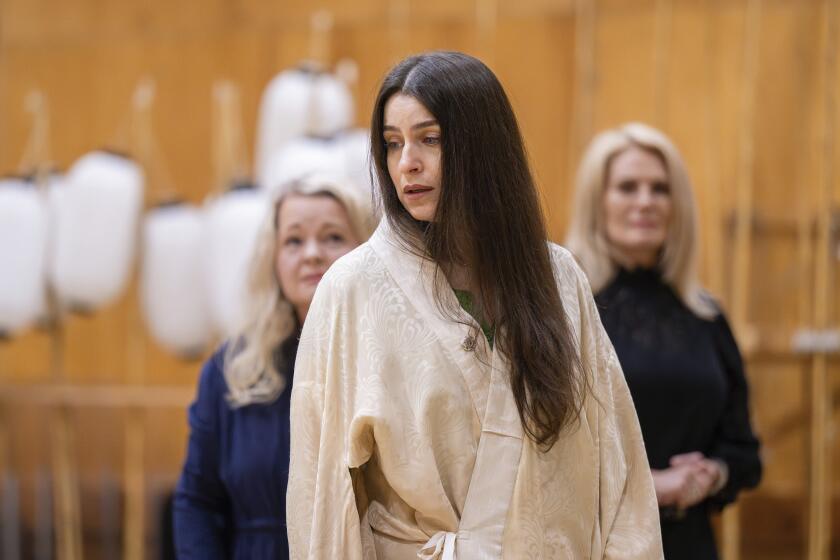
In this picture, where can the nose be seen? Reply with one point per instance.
(409, 161)
(645, 195)
(312, 251)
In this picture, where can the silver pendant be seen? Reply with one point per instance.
(469, 344)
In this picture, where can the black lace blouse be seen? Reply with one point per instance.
(687, 380)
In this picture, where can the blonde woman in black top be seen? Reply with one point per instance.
(634, 232)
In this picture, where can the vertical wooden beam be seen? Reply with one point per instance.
(487, 21)
(661, 60)
(744, 213)
(819, 527)
(134, 518)
(68, 523)
(399, 12)
(44, 515)
(10, 512)
(583, 98)
(66, 502)
(711, 136)
(321, 24)
(134, 479)
(229, 157)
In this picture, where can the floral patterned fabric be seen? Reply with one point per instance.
(406, 441)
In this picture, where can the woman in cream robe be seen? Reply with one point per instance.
(406, 437)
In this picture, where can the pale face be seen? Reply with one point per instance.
(412, 138)
(313, 232)
(637, 206)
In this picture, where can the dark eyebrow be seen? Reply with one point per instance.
(424, 124)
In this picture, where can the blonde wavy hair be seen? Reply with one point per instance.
(587, 238)
(250, 370)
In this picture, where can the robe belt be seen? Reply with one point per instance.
(441, 546)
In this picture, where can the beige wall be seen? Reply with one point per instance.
(682, 65)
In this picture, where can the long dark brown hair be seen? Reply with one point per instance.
(489, 220)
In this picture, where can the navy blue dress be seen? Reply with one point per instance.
(687, 380)
(231, 499)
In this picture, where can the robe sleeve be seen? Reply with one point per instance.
(201, 504)
(629, 514)
(735, 443)
(321, 512)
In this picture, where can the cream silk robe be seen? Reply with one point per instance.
(406, 441)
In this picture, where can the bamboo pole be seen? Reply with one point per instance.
(67, 508)
(819, 536)
(43, 546)
(744, 214)
(487, 22)
(134, 515)
(134, 520)
(583, 97)
(10, 511)
(229, 159)
(9, 492)
(36, 155)
(399, 32)
(661, 60)
(159, 187)
(321, 24)
(713, 235)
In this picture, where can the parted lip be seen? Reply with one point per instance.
(415, 188)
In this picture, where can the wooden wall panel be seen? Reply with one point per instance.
(678, 64)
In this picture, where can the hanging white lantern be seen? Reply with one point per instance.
(333, 106)
(172, 279)
(232, 222)
(296, 103)
(23, 247)
(354, 147)
(96, 228)
(303, 156)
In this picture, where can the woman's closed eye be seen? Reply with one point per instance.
(628, 187)
(661, 187)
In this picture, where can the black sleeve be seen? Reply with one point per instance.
(735, 442)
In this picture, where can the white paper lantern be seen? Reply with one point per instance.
(23, 247)
(301, 157)
(298, 103)
(96, 217)
(172, 279)
(354, 146)
(333, 106)
(232, 222)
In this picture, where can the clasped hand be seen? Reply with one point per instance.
(688, 481)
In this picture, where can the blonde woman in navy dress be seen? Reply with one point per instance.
(230, 501)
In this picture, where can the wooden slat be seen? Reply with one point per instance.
(134, 477)
(819, 528)
(67, 508)
(731, 527)
(104, 396)
(134, 515)
(585, 77)
(661, 59)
